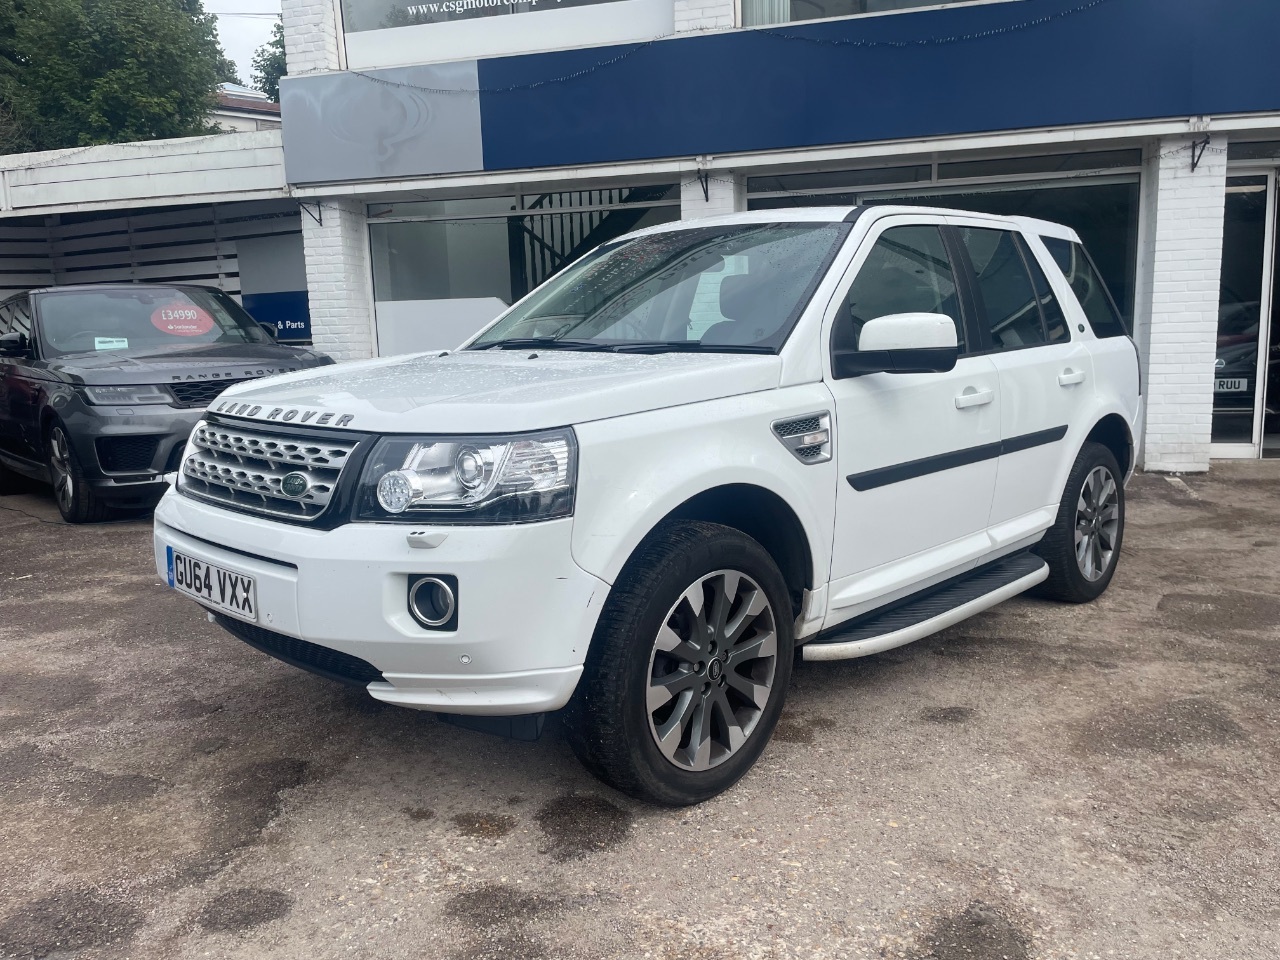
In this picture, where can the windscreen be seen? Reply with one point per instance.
(715, 288)
(146, 318)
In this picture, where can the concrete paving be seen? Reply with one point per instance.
(1042, 781)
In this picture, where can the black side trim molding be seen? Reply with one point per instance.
(1029, 440)
(883, 476)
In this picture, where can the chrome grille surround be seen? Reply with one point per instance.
(243, 470)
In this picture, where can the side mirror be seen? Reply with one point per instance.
(15, 345)
(900, 343)
(270, 330)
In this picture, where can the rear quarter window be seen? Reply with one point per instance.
(1089, 288)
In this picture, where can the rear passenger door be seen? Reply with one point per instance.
(1045, 375)
(917, 452)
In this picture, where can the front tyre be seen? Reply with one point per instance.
(688, 668)
(75, 498)
(1082, 548)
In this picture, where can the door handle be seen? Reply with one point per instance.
(973, 398)
(1068, 376)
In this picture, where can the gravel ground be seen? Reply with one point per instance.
(1041, 781)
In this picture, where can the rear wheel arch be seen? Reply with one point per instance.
(1113, 432)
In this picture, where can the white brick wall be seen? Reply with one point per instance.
(704, 15)
(726, 193)
(311, 41)
(338, 278)
(1177, 332)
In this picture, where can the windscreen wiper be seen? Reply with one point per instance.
(540, 343)
(687, 346)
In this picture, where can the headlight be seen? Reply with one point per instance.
(470, 479)
(150, 393)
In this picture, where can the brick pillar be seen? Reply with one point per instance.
(338, 280)
(1177, 329)
(726, 193)
(693, 15)
(311, 39)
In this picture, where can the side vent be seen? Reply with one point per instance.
(808, 437)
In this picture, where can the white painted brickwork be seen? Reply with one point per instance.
(310, 36)
(338, 273)
(1178, 336)
(726, 193)
(704, 15)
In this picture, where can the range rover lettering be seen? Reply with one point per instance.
(700, 451)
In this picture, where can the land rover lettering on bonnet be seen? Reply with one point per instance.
(285, 414)
(699, 451)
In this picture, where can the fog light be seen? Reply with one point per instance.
(432, 601)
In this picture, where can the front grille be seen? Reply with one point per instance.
(126, 454)
(332, 664)
(201, 393)
(244, 469)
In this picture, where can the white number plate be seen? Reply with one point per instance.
(230, 592)
(1237, 385)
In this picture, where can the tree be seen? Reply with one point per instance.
(82, 72)
(226, 66)
(269, 64)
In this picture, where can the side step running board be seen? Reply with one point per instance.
(918, 617)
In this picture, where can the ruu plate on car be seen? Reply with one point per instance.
(229, 591)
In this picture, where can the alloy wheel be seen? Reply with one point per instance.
(712, 670)
(1097, 523)
(60, 462)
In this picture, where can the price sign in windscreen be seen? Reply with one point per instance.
(182, 318)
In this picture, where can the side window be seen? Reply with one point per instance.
(1055, 321)
(907, 271)
(1004, 288)
(1088, 286)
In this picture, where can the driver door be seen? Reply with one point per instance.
(917, 452)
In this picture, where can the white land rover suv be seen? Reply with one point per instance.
(699, 449)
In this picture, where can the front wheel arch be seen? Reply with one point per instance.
(763, 516)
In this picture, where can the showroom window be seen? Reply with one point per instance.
(442, 269)
(1093, 192)
(760, 13)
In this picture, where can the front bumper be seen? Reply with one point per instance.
(125, 452)
(526, 611)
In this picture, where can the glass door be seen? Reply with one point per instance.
(1245, 302)
(1270, 368)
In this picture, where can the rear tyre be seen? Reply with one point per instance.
(1083, 546)
(76, 500)
(688, 668)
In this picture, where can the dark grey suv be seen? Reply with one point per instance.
(101, 385)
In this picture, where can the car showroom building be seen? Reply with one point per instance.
(451, 155)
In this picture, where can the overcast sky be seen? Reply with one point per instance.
(241, 36)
